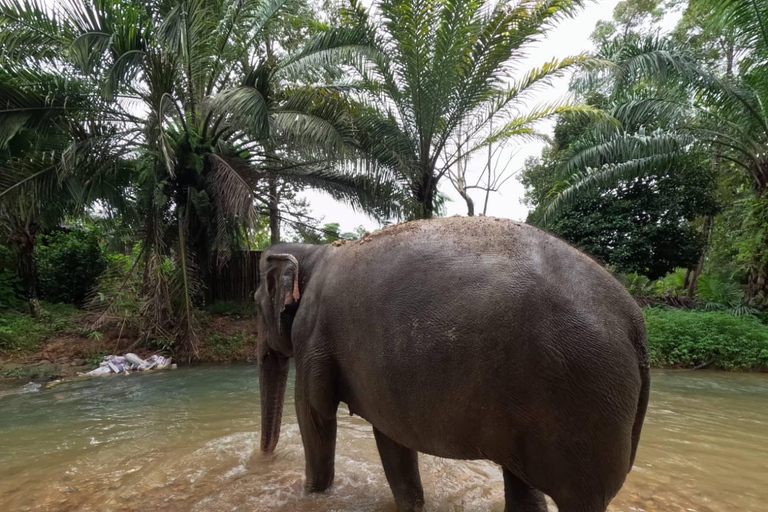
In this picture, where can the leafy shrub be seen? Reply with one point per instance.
(9, 281)
(20, 332)
(637, 284)
(9, 287)
(118, 288)
(69, 263)
(724, 294)
(673, 284)
(223, 346)
(232, 307)
(693, 338)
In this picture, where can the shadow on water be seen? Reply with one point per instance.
(188, 440)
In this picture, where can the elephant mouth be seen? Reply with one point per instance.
(273, 378)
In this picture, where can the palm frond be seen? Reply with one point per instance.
(523, 126)
(31, 29)
(606, 177)
(367, 193)
(598, 150)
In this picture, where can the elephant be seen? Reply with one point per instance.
(463, 338)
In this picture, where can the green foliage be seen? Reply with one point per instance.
(9, 281)
(9, 289)
(309, 233)
(232, 308)
(431, 82)
(69, 264)
(20, 332)
(228, 346)
(639, 225)
(722, 293)
(672, 284)
(218, 108)
(637, 285)
(117, 293)
(703, 90)
(628, 16)
(161, 343)
(689, 339)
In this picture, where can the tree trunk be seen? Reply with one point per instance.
(425, 192)
(692, 278)
(426, 204)
(757, 276)
(469, 201)
(25, 240)
(274, 216)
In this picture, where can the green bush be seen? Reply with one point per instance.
(9, 281)
(69, 263)
(224, 346)
(20, 332)
(9, 290)
(692, 338)
(232, 307)
(119, 287)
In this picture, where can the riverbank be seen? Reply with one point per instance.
(63, 342)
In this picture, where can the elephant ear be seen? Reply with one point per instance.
(282, 284)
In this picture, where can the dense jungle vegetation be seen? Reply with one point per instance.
(142, 143)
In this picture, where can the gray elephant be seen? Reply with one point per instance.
(463, 338)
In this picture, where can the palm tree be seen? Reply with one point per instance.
(206, 110)
(430, 77)
(53, 160)
(725, 116)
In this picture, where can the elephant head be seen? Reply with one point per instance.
(277, 299)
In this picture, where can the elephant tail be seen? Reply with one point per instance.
(641, 346)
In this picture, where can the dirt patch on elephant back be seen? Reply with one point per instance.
(473, 234)
(456, 225)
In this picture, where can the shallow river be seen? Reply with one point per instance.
(187, 440)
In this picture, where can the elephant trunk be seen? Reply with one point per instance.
(273, 376)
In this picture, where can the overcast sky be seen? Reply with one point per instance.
(570, 37)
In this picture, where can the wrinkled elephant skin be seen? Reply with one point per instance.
(465, 338)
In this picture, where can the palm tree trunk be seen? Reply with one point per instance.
(25, 239)
(426, 191)
(274, 215)
(757, 276)
(692, 278)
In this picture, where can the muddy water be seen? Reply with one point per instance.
(188, 440)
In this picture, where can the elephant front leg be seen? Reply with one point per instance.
(318, 434)
(401, 466)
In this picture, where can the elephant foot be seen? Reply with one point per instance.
(316, 485)
(401, 466)
(413, 507)
(521, 497)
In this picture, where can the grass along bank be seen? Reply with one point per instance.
(706, 339)
(62, 342)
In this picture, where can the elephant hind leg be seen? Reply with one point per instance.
(401, 466)
(521, 497)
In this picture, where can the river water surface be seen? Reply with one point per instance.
(187, 440)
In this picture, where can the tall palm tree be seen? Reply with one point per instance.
(726, 116)
(206, 111)
(432, 81)
(53, 160)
